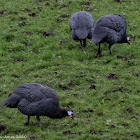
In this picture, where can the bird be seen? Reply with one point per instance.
(35, 99)
(111, 29)
(81, 26)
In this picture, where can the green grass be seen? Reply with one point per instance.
(111, 111)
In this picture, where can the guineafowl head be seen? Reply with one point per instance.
(128, 40)
(65, 112)
(70, 114)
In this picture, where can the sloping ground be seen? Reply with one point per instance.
(36, 46)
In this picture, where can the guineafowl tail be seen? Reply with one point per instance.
(12, 100)
(81, 33)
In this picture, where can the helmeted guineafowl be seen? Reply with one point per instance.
(34, 99)
(81, 26)
(111, 29)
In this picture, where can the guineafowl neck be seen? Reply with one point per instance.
(123, 40)
(61, 113)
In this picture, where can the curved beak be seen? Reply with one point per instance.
(128, 42)
(72, 116)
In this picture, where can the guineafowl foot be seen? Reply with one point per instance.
(81, 43)
(26, 124)
(109, 48)
(84, 43)
(110, 51)
(28, 120)
(98, 55)
(99, 52)
(38, 120)
(39, 124)
(80, 48)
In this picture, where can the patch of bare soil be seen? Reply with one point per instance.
(32, 138)
(63, 42)
(107, 61)
(64, 16)
(121, 89)
(122, 58)
(47, 34)
(9, 38)
(32, 14)
(63, 6)
(100, 114)
(88, 111)
(15, 76)
(136, 74)
(27, 32)
(2, 128)
(47, 4)
(117, 1)
(92, 87)
(2, 12)
(138, 91)
(97, 132)
(26, 43)
(68, 132)
(86, 3)
(111, 76)
(26, 10)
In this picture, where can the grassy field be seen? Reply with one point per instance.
(104, 92)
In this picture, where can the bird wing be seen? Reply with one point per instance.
(109, 26)
(114, 22)
(12, 100)
(44, 107)
(34, 92)
(99, 33)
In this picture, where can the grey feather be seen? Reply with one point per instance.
(109, 28)
(12, 100)
(81, 25)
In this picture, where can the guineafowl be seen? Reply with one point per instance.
(111, 29)
(34, 99)
(81, 26)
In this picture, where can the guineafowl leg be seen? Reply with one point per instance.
(38, 119)
(81, 43)
(110, 48)
(99, 51)
(84, 43)
(28, 120)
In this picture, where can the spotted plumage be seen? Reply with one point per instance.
(111, 29)
(34, 99)
(81, 25)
